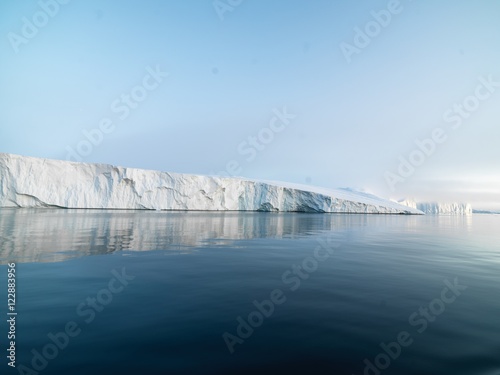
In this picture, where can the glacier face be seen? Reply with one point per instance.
(439, 208)
(35, 182)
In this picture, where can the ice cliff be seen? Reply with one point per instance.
(34, 182)
(439, 208)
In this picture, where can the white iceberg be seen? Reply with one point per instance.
(437, 208)
(34, 182)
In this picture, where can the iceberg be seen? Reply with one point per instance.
(35, 182)
(437, 208)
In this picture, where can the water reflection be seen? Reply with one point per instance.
(46, 235)
(41, 235)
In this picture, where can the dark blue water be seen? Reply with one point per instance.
(177, 293)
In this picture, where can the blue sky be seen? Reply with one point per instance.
(351, 119)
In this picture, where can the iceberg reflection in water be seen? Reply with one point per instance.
(47, 235)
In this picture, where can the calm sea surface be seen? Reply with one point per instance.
(146, 292)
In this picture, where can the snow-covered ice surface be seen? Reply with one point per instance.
(34, 182)
(437, 208)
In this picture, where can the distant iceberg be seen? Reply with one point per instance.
(34, 182)
(439, 208)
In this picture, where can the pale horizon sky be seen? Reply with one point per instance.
(275, 90)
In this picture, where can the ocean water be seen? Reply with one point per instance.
(146, 292)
